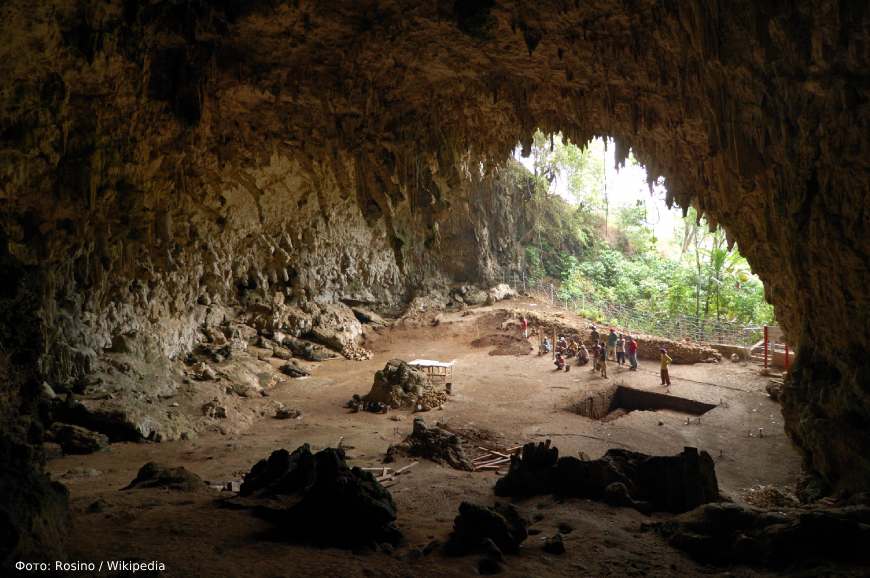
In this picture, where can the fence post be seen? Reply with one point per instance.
(765, 347)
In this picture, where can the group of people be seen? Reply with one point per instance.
(566, 349)
(617, 347)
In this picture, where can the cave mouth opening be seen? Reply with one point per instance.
(619, 400)
(605, 229)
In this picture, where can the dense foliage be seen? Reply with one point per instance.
(605, 257)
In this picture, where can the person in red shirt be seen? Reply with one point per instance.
(632, 353)
(525, 324)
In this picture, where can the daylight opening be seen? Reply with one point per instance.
(603, 243)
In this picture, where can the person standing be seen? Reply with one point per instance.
(632, 354)
(611, 344)
(593, 335)
(666, 362)
(525, 324)
(620, 350)
(603, 361)
(596, 356)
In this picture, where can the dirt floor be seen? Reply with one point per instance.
(509, 399)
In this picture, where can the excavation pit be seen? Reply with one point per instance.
(616, 401)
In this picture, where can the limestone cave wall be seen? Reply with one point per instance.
(163, 162)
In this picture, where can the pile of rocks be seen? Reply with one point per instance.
(432, 443)
(431, 398)
(356, 352)
(621, 477)
(398, 385)
(318, 498)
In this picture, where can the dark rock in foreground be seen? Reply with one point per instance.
(726, 533)
(317, 498)
(154, 475)
(34, 511)
(477, 527)
(621, 477)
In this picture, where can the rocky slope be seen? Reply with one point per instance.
(165, 164)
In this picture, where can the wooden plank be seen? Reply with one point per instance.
(404, 469)
(494, 462)
(492, 451)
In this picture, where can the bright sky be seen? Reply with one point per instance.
(624, 188)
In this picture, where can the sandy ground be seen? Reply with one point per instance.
(513, 398)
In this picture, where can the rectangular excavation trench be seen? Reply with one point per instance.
(618, 400)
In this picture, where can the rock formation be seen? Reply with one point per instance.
(432, 443)
(622, 478)
(729, 533)
(398, 385)
(318, 498)
(164, 163)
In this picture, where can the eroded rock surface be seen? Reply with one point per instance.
(164, 165)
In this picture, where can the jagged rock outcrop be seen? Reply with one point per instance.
(164, 162)
(318, 498)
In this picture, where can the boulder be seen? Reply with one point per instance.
(283, 412)
(500, 292)
(398, 385)
(294, 370)
(476, 526)
(74, 439)
(318, 498)
(306, 350)
(728, 534)
(368, 316)
(336, 327)
(154, 475)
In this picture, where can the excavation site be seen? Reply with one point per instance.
(434, 288)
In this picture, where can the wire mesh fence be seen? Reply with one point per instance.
(630, 319)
